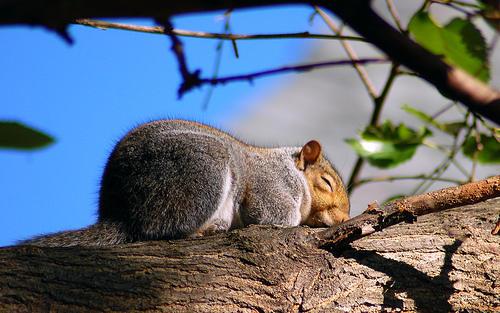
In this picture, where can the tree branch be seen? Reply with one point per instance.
(206, 35)
(428, 266)
(362, 73)
(403, 177)
(453, 82)
(375, 219)
(377, 111)
(189, 79)
(285, 69)
(395, 15)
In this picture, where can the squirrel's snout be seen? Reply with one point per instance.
(326, 219)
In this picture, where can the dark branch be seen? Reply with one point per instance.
(189, 80)
(358, 14)
(451, 81)
(206, 35)
(285, 69)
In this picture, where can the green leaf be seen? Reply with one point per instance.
(14, 135)
(418, 114)
(488, 151)
(451, 128)
(459, 42)
(387, 145)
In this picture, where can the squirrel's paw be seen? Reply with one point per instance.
(211, 229)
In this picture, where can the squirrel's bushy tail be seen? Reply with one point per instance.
(100, 234)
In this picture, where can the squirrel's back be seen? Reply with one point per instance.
(164, 178)
(171, 179)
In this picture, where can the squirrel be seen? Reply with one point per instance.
(171, 179)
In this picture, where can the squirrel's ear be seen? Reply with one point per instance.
(309, 154)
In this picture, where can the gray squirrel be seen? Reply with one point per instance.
(170, 179)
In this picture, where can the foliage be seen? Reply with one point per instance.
(483, 147)
(15, 135)
(452, 128)
(459, 42)
(387, 146)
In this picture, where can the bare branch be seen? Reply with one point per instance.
(454, 83)
(377, 110)
(451, 81)
(395, 16)
(206, 35)
(189, 80)
(363, 74)
(286, 69)
(456, 7)
(403, 177)
(192, 80)
(218, 58)
(461, 3)
(375, 219)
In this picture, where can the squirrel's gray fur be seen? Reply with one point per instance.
(172, 179)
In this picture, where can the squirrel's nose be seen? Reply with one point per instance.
(343, 218)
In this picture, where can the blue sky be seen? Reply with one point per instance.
(89, 94)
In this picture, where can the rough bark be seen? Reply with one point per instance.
(446, 261)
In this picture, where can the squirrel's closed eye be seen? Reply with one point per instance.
(328, 182)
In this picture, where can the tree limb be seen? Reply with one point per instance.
(451, 81)
(206, 35)
(349, 50)
(406, 210)
(389, 178)
(285, 69)
(430, 265)
(445, 262)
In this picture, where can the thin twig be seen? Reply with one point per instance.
(353, 178)
(408, 73)
(456, 7)
(377, 110)
(479, 147)
(444, 109)
(446, 162)
(375, 219)
(363, 75)
(189, 80)
(218, 59)
(409, 177)
(395, 16)
(490, 128)
(427, 183)
(379, 101)
(206, 35)
(462, 3)
(456, 84)
(447, 152)
(370, 87)
(298, 68)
